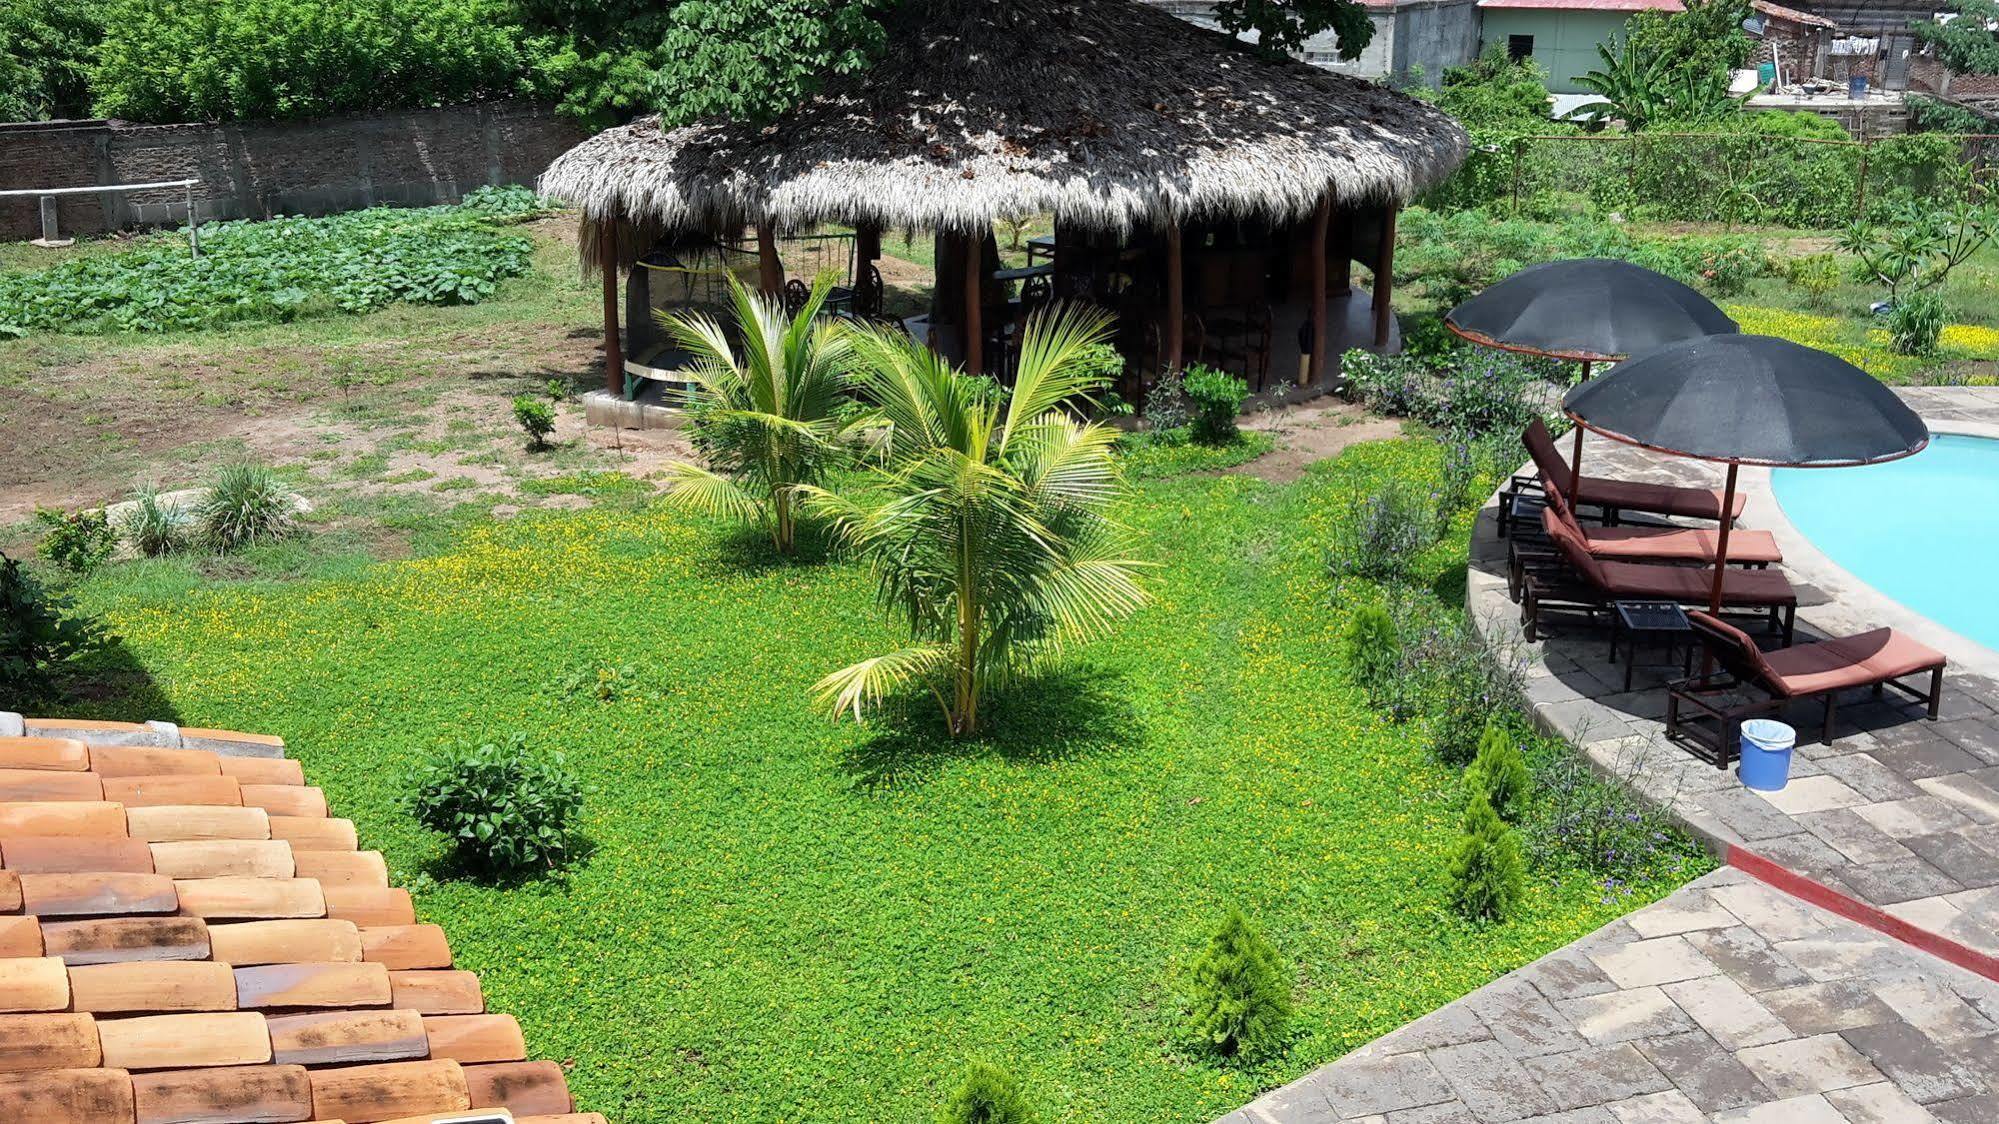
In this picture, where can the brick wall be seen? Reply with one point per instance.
(259, 170)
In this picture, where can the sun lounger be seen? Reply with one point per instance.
(1594, 584)
(1664, 544)
(1697, 714)
(1614, 497)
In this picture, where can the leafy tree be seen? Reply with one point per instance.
(45, 52)
(987, 1095)
(989, 530)
(768, 415)
(1283, 26)
(1916, 248)
(1966, 44)
(1705, 40)
(1488, 875)
(39, 631)
(1237, 990)
(1671, 67)
(1496, 90)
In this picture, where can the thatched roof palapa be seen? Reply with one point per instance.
(1108, 113)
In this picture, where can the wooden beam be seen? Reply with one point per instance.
(1384, 281)
(614, 344)
(1322, 336)
(975, 291)
(1176, 298)
(770, 270)
(868, 243)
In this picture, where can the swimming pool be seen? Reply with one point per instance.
(1923, 530)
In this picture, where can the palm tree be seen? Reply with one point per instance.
(770, 418)
(989, 532)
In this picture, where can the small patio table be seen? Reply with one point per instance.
(1662, 622)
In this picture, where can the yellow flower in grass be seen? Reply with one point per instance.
(1975, 341)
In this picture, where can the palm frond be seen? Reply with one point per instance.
(1048, 373)
(861, 687)
(696, 488)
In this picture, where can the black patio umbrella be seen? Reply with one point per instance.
(1587, 310)
(1752, 400)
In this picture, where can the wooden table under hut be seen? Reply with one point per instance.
(1216, 199)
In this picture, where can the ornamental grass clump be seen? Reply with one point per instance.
(1237, 991)
(245, 503)
(1488, 874)
(155, 526)
(986, 1095)
(501, 808)
(1499, 773)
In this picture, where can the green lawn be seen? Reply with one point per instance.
(787, 919)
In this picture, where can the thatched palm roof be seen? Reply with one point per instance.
(1105, 112)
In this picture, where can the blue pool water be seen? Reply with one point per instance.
(1923, 530)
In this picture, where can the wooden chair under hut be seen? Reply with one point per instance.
(1213, 197)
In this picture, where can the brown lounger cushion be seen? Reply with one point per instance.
(1625, 495)
(1826, 665)
(1665, 544)
(1655, 581)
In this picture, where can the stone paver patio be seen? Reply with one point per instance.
(1840, 972)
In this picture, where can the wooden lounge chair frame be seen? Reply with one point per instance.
(1549, 462)
(1712, 732)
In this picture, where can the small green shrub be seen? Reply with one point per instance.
(155, 526)
(245, 504)
(1237, 991)
(39, 631)
(1488, 875)
(1166, 407)
(1459, 685)
(1216, 398)
(986, 1095)
(1915, 323)
(1384, 533)
(1817, 275)
(1499, 773)
(1595, 822)
(1372, 653)
(77, 541)
(501, 808)
(536, 418)
(505, 201)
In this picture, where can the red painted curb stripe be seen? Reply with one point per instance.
(1825, 897)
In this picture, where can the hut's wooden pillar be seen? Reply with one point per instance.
(975, 292)
(1176, 298)
(614, 344)
(1322, 336)
(770, 270)
(868, 243)
(1384, 280)
(1339, 252)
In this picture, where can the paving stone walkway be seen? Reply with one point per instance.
(1729, 1001)
(1840, 998)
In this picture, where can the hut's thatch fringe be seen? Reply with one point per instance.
(1108, 113)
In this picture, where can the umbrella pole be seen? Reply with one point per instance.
(1576, 470)
(1721, 541)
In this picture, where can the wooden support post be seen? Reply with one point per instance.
(975, 293)
(1176, 298)
(1384, 281)
(868, 243)
(614, 347)
(1322, 336)
(770, 270)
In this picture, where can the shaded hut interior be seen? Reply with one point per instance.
(1217, 201)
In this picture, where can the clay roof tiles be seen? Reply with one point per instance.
(186, 933)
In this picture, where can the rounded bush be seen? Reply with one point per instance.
(502, 808)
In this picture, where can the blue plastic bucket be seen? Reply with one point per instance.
(1856, 87)
(1766, 754)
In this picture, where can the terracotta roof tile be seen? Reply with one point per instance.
(151, 761)
(236, 898)
(152, 987)
(345, 868)
(519, 1087)
(286, 942)
(307, 834)
(223, 1096)
(67, 1096)
(154, 792)
(48, 1041)
(97, 894)
(111, 940)
(349, 1037)
(185, 1041)
(367, 1093)
(312, 985)
(66, 754)
(174, 822)
(468, 1039)
(70, 818)
(170, 956)
(406, 946)
(47, 784)
(438, 993)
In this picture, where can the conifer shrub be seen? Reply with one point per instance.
(1372, 652)
(986, 1095)
(1237, 991)
(1488, 875)
(1499, 772)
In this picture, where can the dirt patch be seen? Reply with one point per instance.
(1312, 431)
